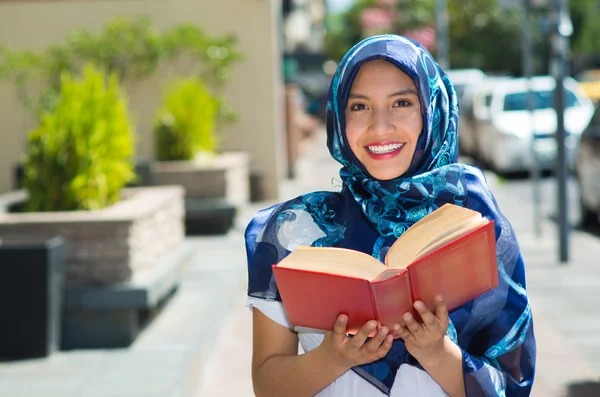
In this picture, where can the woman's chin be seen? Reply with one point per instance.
(387, 169)
(386, 175)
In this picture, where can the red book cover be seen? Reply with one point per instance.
(315, 300)
(459, 271)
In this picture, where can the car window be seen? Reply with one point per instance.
(596, 118)
(541, 100)
(460, 90)
(488, 100)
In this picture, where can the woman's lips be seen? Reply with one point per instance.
(384, 150)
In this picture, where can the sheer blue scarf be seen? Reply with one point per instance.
(495, 331)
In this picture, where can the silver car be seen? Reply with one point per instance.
(507, 142)
(476, 113)
(587, 170)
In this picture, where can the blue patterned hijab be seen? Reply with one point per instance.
(395, 205)
(494, 331)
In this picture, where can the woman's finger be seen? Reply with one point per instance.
(413, 326)
(385, 347)
(361, 336)
(441, 312)
(401, 331)
(375, 343)
(339, 329)
(428, 318)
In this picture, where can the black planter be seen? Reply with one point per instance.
(18, 175)
(31, 295)
(143, 172)
(257, 187)
(208, 216)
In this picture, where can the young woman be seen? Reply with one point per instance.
(392, 120)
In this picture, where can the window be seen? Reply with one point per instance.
(596, 118)
(541, 100)
(487, 100)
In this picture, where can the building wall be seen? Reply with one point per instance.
(254, 91)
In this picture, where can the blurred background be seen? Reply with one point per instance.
(139, 137)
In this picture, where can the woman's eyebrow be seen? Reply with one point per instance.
(405, 92)
(354, 95)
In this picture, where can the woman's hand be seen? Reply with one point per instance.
(348, 352)
(425, 341)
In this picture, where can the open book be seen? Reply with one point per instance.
(450, 252)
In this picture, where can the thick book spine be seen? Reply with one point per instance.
(392, 298)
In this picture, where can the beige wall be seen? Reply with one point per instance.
(254, 91)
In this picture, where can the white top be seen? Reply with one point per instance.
(410, 381)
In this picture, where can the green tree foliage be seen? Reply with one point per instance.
(585, 15)
(345, 30)
(414, 14)
(481, 33)
(131, 49)
(214, 55)
(185, 125)
(484, 36)
(80, 157)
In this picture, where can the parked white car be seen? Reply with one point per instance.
(475, 113)
(506, 144)
(463, 80)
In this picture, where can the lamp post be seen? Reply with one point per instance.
(526, 57)
(562, 32)
(443, 51)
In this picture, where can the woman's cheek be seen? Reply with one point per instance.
(415, 126)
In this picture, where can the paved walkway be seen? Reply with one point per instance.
(200, 344)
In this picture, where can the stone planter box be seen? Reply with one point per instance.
(115, 244)
(119, 262)
(215, 190)
(225, 177)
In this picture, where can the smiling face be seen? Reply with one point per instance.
(383, 119)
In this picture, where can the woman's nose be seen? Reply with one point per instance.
(381, 124)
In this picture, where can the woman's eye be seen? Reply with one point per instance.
(358, 106)
(402, 103)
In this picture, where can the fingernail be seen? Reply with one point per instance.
(372, 324)
(342, 320)
(419, 305)
(396, 328)
(407, 317)
(383, 331)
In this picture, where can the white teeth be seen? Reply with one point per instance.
(385, 148)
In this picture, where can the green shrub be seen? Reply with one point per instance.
(80, 157)
(185, 126)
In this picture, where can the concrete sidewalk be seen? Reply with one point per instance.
(167, 357)
(200, 345)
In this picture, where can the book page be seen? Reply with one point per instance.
(432, 231)
(453, 235)
(340, 261)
